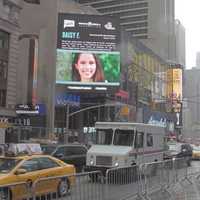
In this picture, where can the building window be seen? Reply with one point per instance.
(3, 69)
(4, 49)
(149, 140)
(4, 40)
(2, 98)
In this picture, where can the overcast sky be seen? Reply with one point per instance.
(188, 12)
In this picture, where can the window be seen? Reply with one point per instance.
(6, 165)
(4, 40)
(3, 69)
(78, 150)
(2, 98)
(46, 163)
(139, 140)
(104, 136)
(123, 137)
(60, 150)
(48, 149)
(30, 165)
(149, 140)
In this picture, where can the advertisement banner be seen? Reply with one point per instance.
(88, 50)
(158, 118)
(174, 88)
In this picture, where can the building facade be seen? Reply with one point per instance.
(180, 43)
(9, 54)
(142, 82)
(151, 21)
(191, 109)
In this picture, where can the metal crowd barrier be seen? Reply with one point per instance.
(162, 176)
(86, 186)
(135, 182)
(15, 191)
(124, 179)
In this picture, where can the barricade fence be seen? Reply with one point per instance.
(124, 179)
(135, 182)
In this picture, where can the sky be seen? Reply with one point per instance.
(188, 12)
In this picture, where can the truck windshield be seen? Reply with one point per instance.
(123, 137)
(104, 136)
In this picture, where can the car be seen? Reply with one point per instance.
(69, 153)
(196, 152)
(179, 150)
(31, 168)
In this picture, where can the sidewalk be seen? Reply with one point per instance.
(188, 189)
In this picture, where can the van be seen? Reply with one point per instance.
(123, 144)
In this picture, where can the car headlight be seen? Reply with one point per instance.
(91, 162)
(116, 164)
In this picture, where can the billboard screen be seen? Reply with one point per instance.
(88, 50)
(174, 88)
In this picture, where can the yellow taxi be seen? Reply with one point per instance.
(21, 176)
(196, 152)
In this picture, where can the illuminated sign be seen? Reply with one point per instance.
(174, 88)
(88, 50)
(64, 99)
(30, 109)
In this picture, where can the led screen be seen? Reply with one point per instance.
(88, 50)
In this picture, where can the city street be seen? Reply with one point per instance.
(108, 88)
(181, 190)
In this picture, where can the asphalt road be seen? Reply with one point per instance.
(87, 190)
(178, 189)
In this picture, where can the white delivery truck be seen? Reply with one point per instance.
(123, 144)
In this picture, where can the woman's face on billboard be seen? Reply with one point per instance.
(86, 66)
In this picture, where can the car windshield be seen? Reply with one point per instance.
(123, 137)
(104, 136)
(48, 149)
(6, 164)
(196, 148)
(174, 147)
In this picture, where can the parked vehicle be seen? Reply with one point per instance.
(121, 144)
(196, 152)
(69, 153)
(29, 168)
(179, 150)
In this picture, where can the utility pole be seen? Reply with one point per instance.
(66, 135)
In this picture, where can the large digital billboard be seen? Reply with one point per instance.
(88, 50)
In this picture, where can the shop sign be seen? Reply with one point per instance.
(68, 99)
(89, 130)
(30, 109)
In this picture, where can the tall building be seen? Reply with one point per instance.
(9, 46)
(152, 21)
(191, 111)
(180, 43)
(198, 59)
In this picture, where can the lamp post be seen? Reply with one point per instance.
(66, 136)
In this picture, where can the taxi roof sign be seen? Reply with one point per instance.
(24, 149)
(5, 125)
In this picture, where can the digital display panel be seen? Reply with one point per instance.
(174, 87)
(88, 50)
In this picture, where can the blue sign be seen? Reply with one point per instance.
(158, 118)
(68, 99)
(31, 109)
